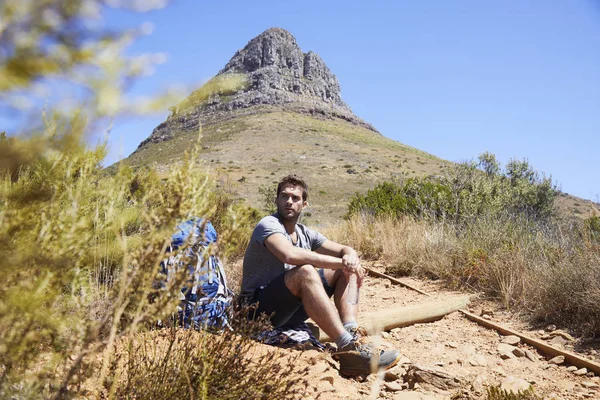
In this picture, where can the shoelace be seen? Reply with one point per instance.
(364, 347)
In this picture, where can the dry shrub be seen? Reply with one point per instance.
(550, 270)
(80, 251)
(408, 246)
(177, 363)
(497, 393)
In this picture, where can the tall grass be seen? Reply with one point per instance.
(487, 230)
(550, 271)
(80, 251)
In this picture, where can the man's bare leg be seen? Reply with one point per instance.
(305, 283)
(337, 279)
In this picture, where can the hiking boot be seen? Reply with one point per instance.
(356, 359)
(359, 334)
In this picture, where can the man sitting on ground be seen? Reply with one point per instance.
(291, 271)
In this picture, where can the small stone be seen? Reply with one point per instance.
(394, 374)
(590, 385)
(328, 378)
(545, 366)
(452, 345)
(439, 364)
(580, 372)
(511, 339)
(478, 360)
(572, 368)
(505, 348)
(550, 328)
(562, 334)
(558, 360)
(507, 356)
(486, 312)
(558, 341)
(404, 360)
(514, 385)
(393, 386)
(518, 352)
(531, 355)
(385, 335)
(595, 379)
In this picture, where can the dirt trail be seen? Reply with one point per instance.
(462, 357)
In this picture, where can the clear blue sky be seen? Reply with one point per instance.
(520, 79)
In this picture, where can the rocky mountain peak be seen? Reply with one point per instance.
(275, 61)
(278, 74)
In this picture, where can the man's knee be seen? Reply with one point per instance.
(334, 277)
(301, 276)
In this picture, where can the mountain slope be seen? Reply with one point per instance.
(336, 157)
(285, 116)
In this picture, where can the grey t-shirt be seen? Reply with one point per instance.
(260, 265)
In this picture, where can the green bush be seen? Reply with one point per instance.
(467, 190)
(414, 196)
(268, 194)
(592, 227)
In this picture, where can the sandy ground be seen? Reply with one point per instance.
(465, 353)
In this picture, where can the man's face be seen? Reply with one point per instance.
(289, 202)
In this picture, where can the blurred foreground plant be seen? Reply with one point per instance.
(80, 247)
(80, 252)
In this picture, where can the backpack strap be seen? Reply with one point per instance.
(217, 265)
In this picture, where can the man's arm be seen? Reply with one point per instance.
(281, 248)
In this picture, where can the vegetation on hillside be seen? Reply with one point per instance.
(467, 191)
(488, 229)
(80, 248)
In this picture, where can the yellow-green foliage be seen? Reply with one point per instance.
(79, 247)
(80, 251)
(223, 85)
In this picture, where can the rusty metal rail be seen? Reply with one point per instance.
(571, 358)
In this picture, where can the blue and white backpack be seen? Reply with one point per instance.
(206, 297)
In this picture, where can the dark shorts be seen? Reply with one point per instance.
(275, 299)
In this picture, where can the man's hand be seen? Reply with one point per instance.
(352, 265)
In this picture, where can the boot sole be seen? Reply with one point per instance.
(349, 372)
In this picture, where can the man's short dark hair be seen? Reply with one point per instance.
(293, 180)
